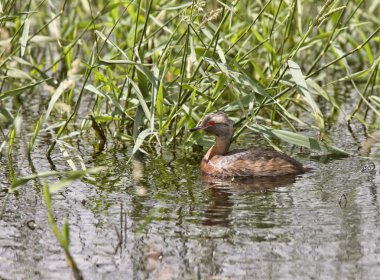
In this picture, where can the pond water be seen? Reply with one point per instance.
(155, 218)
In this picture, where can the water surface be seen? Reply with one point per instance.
(155, 219)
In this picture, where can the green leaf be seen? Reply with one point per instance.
(319, 90)
(17, 91)
(11, 141)
(141, 99)
(375, 100)
(34, 137)
(66, 174)
(300, 81)
(298, 139)
(54, 227)
(58, 92)
(106, 118)
(18, 74)
(54, 188)
(139, 140)
(5, 112)
(121, 61)
(160, 104)
(66, 234)
(24, 36)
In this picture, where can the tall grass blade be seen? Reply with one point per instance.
(7, 114)
(35, 134)
(57, 94)
(64, 237)
(140, 140)
(298, 139)
(141, 99)
(300, 81)
(71, 175)
(15, 92)
(24, 36)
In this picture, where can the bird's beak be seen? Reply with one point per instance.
(196, 128)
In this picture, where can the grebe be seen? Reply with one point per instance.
(219, 162)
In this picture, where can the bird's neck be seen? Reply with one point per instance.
(220, 147)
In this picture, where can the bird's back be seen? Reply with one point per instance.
(251, 162)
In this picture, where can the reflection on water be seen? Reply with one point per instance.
(370, 142)
(220, 191)
(156, 218)
(250, 183)
(219, 208)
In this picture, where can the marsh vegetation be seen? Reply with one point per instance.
(83, 80)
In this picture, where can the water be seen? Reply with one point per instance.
(156, 219)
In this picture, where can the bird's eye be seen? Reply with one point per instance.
(211, 123)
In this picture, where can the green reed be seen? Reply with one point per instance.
(141, 72)
(62, 236)
(149, 70)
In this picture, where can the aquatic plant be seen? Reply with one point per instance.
(143, 72)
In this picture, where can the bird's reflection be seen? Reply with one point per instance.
(250, 183)
(220, 191)
(218, 210)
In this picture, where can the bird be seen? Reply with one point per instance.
(219, 162)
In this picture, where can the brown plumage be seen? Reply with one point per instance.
(240, 163)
